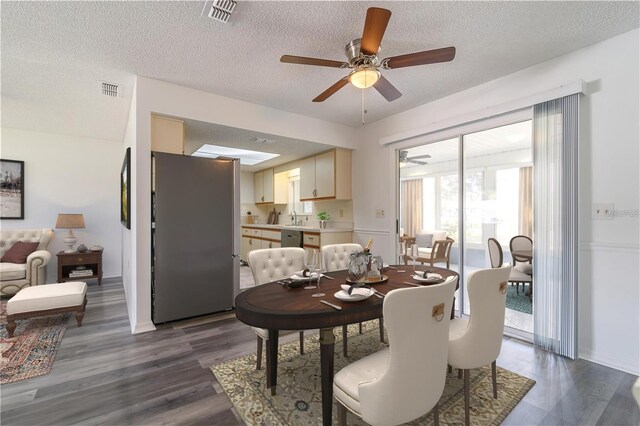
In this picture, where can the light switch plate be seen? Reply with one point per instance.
(602, 211)
(379, 213)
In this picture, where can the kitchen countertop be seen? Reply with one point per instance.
(296, 228)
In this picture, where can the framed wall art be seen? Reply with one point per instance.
(125, 190)
(11, 189)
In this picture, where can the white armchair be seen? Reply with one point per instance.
(15, 276)
(476, 342)
(269, 265)
(406, 380)
(336, 257)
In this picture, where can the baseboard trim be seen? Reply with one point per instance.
(608, 362)
(143, 327)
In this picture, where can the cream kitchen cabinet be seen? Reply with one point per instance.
(263, 186)
(326, 176)
(167, 135)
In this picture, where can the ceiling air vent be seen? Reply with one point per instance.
(262, 141)
(110, 89)
(221, 10)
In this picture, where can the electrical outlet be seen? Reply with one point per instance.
(379, 213)
(341, 212)
(332, 213)
(602, 211)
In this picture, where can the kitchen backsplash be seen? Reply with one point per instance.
(341, 212)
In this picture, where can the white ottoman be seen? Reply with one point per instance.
(47, 299)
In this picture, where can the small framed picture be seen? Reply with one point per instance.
(11, 189)
(125, 190)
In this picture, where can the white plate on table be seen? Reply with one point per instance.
(431, 277)
(355, 296)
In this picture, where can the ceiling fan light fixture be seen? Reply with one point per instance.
(364, 77)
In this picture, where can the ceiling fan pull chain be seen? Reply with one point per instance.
(362, 105)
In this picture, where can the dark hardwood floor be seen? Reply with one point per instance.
(105, 375)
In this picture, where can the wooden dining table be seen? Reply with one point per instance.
(276, 307)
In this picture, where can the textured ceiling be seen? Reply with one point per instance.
(55, 53)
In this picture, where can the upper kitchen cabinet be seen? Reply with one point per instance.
(326, 176)
(167, 135)
(263, 186)
(281, 188)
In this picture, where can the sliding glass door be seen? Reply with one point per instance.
(496, 199)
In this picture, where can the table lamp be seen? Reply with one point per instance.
(70, 222)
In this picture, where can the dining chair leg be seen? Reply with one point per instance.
(344, 340)
(259, 354)
(494, 379)
(360, 327)
(459, 373)
(467, 414)
(342, 415)
(436, 415)
(302, 343)
(381, 324)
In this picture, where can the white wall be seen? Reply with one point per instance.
(69, 174)
(153, 96)
(609, 312)
(128, 237)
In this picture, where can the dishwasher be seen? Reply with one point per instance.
(290, 238)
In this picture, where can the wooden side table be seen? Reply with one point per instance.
(67, 262)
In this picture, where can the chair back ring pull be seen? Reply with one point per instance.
(438, 312)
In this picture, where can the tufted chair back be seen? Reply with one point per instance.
(275, 264)
(335, 257)
(8, 237)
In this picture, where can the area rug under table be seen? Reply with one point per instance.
(32, 349)
(298, 401)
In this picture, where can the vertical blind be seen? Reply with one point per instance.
(555, 225)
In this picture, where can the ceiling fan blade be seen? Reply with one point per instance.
(331, 90)
(289, 59)
(445, 54)
(420, 156)
(374, 27)
(387, 89)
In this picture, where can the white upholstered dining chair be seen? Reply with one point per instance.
(476, 342)
(404, 381)
(336, 257)
(269, 265)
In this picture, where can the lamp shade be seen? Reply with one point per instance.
(364, 77)
(70, 221)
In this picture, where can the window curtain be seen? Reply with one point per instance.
(412, 212)
(555, 224)
(525, 205)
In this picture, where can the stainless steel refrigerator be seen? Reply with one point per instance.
(195, 219)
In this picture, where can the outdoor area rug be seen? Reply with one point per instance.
(298, 401)
(32, 349)
(519, 302)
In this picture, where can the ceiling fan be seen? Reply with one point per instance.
(404, 158)
(362, 54)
